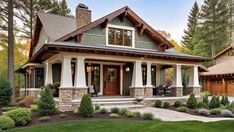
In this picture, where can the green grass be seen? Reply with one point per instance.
(132, 126)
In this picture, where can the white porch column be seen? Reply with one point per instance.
(148, 79)
(194, 86)
(48, 73)
(177, 79)
(137, 88)
(158, 74)
(137, 75)
(177, 87)
(80, 79)
(66, 74)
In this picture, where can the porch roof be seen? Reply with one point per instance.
(55, 47)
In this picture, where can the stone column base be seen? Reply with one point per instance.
(65, 98)
(194, 90)
(137, 92)
(177, 91)
(148, 91)
(79, 92)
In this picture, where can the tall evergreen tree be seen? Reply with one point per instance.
(192, 25)
(215, 17)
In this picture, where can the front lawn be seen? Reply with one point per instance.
(131, 126)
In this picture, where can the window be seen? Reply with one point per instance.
(120, 36)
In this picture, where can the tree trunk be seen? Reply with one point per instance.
(11, 49)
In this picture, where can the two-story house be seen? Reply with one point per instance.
(219, 79)
(118, 54)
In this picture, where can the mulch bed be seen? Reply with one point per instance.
(194, 112)
(70, 116)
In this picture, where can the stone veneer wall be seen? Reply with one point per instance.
(195, 90)
(137, 92)
(34, 92)
(148, 92)
(66, 95)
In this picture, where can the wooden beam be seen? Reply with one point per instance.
(104, 24)
(142, 29)
(78, 38)
(122, 16)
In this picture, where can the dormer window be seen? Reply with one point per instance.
(120, 36)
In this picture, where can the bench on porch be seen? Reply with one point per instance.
(162, 90)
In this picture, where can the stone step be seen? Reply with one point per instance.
(114, 103)
(130, 106)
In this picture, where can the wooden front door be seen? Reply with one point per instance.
(111, 80)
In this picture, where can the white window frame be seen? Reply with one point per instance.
(120, 27)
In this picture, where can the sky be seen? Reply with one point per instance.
(168, 15)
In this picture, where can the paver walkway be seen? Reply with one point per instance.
(170, 115)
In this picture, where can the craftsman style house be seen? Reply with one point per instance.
(118, 54)
(219, 79)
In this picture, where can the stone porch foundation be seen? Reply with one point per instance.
(177, 91)
(137, 92)
(34, 92)
(148, 92)
(66, 95)
(194, 90)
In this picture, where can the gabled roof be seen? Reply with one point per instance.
(223, 51)
(222, 68)
(128, 13)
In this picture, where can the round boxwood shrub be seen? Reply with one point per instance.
(6, 123)
(192, 102)
(166, 104)
(46, 104)
(115, 110)
(114, 115)
(203, 112)
(44, 118)
(21, 116)
(178, 103)
(123, 111)
(182, 109)
(103, 111)
(214, 102)
(158, 103)
(5, 93)
(148, 116)
(86, 108)
(8, 108)
(227, 113)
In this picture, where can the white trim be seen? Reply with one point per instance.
(121, 80)
(32, 64)
(120, 27)
(92, 34)
(101, 80)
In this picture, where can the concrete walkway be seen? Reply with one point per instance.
(170, 115)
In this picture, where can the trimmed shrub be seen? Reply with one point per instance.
(200, 104)
(5, 93)
(232, 106)
(62, 115)
(35, 101)
(115, 110)
(21, 116)
(203, 112)
(227, 113)
(182, 109)
(158, 103)
(97, 107)
(130, 114)
(215, 111)
(86, 108)
(8, 108)
(148, 116)
(137, 114)
(224, 100)
(192, 102)
(34, 108)
(114, 115)
(214, 102)
(166, 104)
(123, 111)
(6, 123)
(205, 101)
(44, 119)
(178, 103)
(46, 104)
(103, 111)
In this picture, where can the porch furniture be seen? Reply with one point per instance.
(162, 90)
(92, 90)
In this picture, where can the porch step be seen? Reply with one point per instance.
(114, 103)
(132, 106)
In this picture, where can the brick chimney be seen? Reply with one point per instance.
(83, 15)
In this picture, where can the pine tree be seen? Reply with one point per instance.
(192, 25)
(215, 17)
(46, 104)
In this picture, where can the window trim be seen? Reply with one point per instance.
(124, 28)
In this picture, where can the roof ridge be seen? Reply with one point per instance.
(59, 15)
